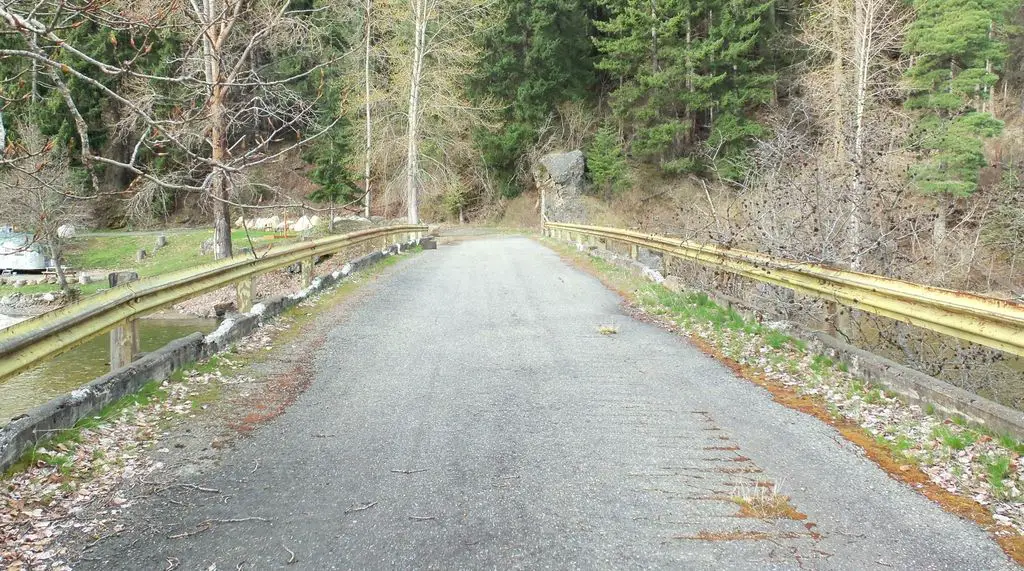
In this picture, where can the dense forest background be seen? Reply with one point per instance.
(883, 135)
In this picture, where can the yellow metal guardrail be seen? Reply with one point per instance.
(29, 342)
(984, 320)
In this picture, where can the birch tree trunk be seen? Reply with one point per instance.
(838, 77)
(864, 15)
(369, 124)
(416, 78)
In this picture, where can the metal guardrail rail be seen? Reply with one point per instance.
(29, 342)
(984, 320)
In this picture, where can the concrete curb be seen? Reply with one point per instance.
(911, 385)
(63, 412)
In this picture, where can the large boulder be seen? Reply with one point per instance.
(314, 221)
(66, 231)
(302, 224)
(561, 179)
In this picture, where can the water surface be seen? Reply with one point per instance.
(73, 369)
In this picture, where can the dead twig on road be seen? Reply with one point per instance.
(162, 486)
(172, 564)
(206, 525)
(292, 558)
(101, 538)
(415, 471)
(363, 507)
(422, 517)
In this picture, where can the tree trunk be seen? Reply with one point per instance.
(859, 219)
(219, 188)
(412, 162)
(838, 79)
(654, 36)
(939, 228)
(369, 131)
(55, 255)
(35, 78)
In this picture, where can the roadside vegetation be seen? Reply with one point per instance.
(117, 252)
(969, 469)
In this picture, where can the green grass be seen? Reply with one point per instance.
(954, 440)
(776, 339)
(820, 364)
(997, 469)
(181, 251)
(1011, 443)
(118, 253)
(874, 396)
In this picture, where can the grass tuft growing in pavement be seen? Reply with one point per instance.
(763, 501)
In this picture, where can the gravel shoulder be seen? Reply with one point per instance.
(491, 406)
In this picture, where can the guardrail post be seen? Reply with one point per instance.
(244, 293)
(666, 264)
(124, 339)
(124, 344)
(307, 272)
(634, 251)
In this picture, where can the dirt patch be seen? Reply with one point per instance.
(741, 535)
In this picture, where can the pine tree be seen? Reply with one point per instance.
(538, 56)
(690, 77)
(957, 51)
(607, 165)
(746, 84)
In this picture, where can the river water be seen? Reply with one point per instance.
(84, 363)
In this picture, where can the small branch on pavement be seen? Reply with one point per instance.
(172, 564)
(206, 525)
(355, 509)
(101, 538)
(291, 559)
(256, 467)
(160, 486)
(416, 471)
(422, 517)
(198, 488)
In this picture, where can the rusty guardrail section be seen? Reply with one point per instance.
(984, 320)
(25, 344)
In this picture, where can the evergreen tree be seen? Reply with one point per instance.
(957, 50)
(741, 27)
(690, 77)
(607, 165)
(538, 56)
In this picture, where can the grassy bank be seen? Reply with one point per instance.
(118, 253)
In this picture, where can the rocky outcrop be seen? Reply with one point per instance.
(560, 177)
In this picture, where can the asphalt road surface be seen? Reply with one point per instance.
(477, 419)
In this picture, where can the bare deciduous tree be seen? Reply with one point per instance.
(38, 192)
(219, 111)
